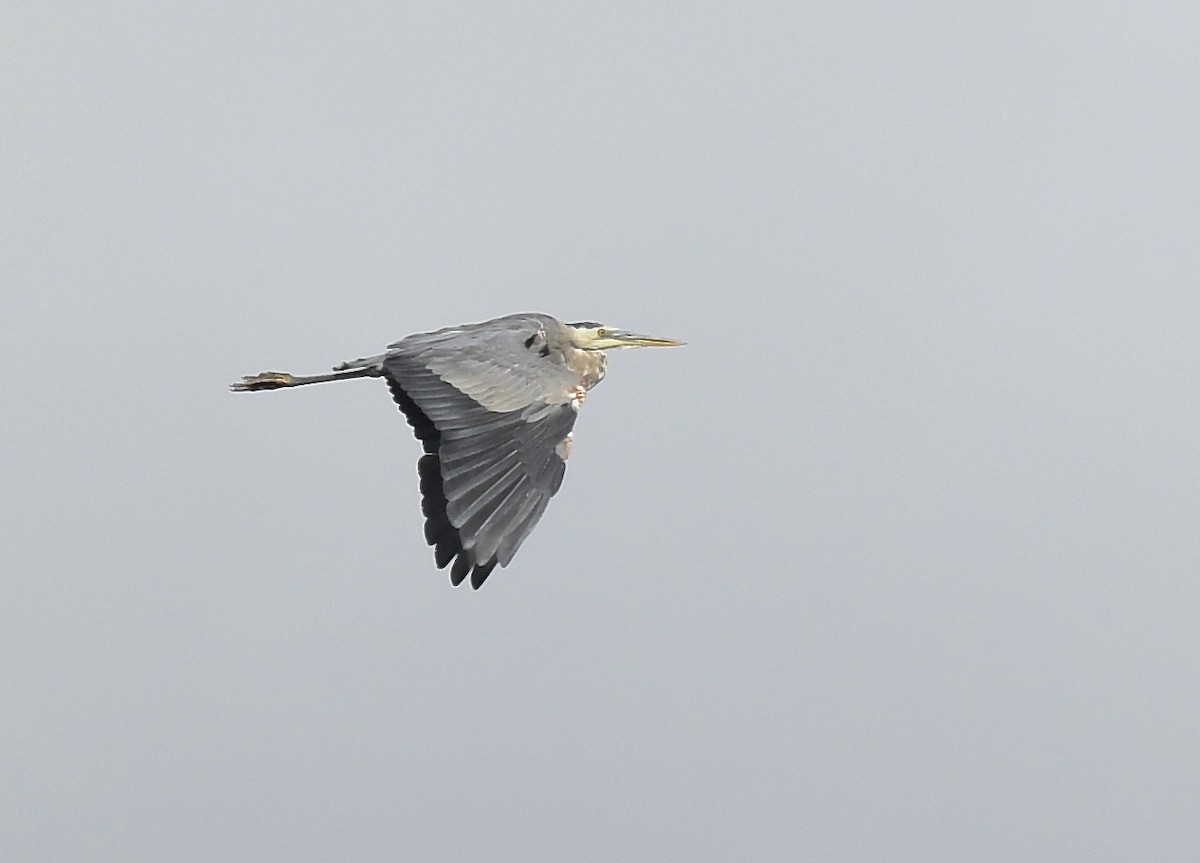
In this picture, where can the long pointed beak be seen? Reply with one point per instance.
(637, 340)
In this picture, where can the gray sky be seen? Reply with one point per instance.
(896, 560)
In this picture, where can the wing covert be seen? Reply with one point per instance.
(502, 365)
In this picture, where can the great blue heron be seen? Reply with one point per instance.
(493, 404)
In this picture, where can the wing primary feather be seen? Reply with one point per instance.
(444, 552)
(462, 565)
(465, 510)
(480, 573)
(468, 473)
(494, 528)
(474, 485)
(521, 528)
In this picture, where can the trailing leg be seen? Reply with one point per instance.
(277, 380)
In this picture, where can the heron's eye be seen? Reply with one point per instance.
(602, 332)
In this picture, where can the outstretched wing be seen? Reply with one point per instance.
(491, 406)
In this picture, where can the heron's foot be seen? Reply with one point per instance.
(263, 381)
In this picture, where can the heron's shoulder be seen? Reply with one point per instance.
(500, 329)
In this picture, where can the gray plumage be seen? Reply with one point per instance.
(493, 405)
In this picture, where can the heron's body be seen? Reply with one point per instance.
(493, 405)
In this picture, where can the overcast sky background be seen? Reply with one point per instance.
(897, 559)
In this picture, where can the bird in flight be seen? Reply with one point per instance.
(493, 405)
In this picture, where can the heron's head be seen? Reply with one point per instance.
(591, 336)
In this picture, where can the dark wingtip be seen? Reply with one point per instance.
(465, 565)
(480, 573)
(444, 552)
(439, 532)
(462, 565)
